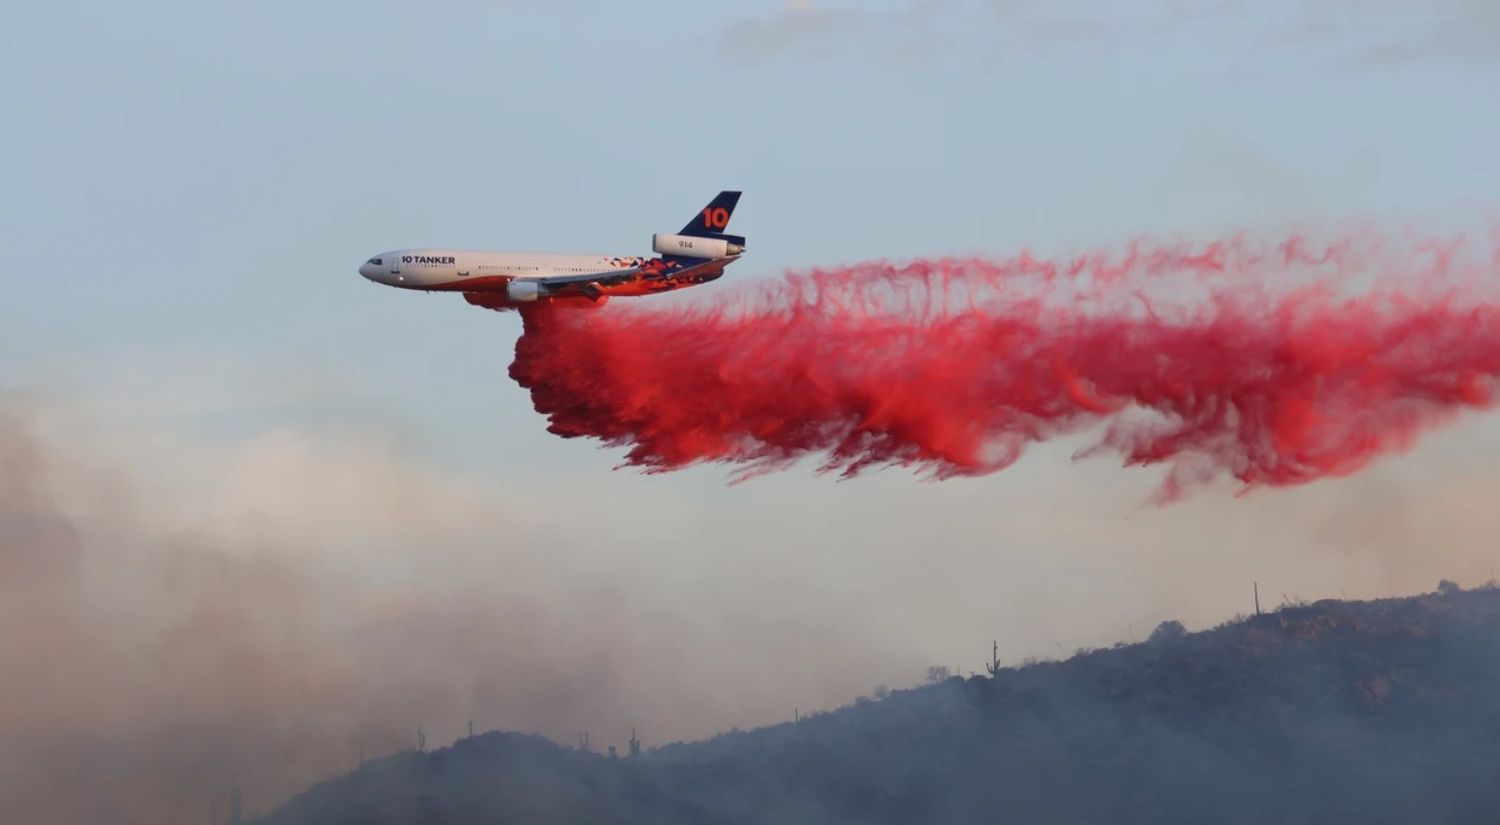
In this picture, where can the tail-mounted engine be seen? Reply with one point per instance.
(692, 246)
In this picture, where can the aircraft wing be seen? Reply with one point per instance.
(589, 283)
(618, 276)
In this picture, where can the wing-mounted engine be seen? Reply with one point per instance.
(693, 246)
(523, 292)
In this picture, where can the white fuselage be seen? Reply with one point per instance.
(450, 269)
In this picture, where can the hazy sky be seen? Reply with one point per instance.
(190, 187)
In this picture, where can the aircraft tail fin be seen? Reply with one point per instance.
(712, 220)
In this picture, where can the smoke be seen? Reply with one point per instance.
(1274, 363)
(155, 660)
(196, 617)
(143, 671)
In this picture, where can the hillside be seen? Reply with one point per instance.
(1380, 711)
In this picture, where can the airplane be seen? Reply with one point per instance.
(502, 281)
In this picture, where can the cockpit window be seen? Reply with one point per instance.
(376, 261)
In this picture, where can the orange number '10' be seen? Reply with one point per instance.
(716, 218)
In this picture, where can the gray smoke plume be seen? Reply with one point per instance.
(144, 674)
(155, 663)
(180, 618)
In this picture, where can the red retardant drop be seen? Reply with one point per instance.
(1274, 363)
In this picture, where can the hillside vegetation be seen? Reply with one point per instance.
(1369, 712)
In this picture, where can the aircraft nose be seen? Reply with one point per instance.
(372, 271)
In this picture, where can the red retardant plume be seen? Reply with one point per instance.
(1275, 363)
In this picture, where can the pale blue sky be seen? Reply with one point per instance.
(203, 178)
(189, 188)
